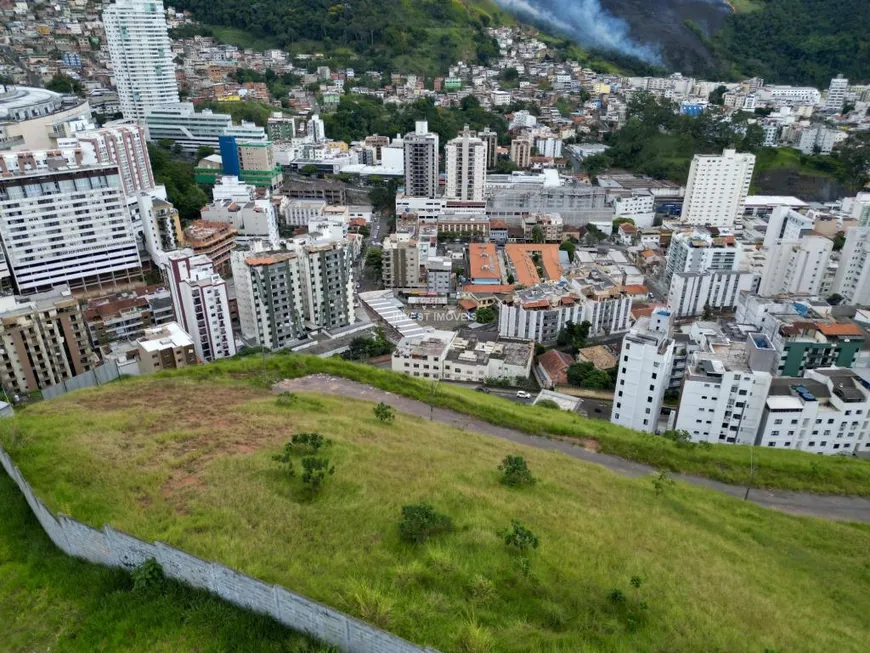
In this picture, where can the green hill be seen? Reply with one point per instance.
(422, 36)
(188, 459)
(798, 41)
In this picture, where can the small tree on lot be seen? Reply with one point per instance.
(314, 472)
(515, 472)
(520, 538)
(309, 443)
(484, 315)
(420, 522)
(384, 413)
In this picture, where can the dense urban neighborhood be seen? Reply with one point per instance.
(669, 271)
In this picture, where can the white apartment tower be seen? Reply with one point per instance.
(316, 130)
(199, 297)
(724, 390)
(717, 188)
(466, 167)
(836, 94)
(645, 364)
(795, 267)
(852, 279)
(421, 162)
(141, 56)
(125, 146)
(64, 220)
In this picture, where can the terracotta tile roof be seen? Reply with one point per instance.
(642, 311)
(488, 289)
(556, 364)
(520, 256)
(840, 329)
(636, 289)
(483, 261)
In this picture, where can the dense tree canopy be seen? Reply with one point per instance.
(660, 142)
(177, 176)
(358, 116)
(423, 36)
(799, 41)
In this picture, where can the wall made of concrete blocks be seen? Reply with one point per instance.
(113, 548)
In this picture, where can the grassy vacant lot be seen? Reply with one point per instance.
(789, 470)
(49, 602)
(242, 38)
(188, 461)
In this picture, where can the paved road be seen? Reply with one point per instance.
(796, 503)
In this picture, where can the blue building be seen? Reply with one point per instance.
(230, 155)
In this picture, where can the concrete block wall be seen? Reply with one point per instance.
(113, 548)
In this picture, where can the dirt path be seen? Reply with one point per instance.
(796, 503)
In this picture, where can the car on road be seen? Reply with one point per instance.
(522, 394)
(480, 388)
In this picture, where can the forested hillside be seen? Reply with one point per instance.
(423, 36)
(799, 41)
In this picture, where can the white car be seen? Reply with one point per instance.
(522, 394)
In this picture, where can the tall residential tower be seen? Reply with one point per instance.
(141, 56)
(421, 162)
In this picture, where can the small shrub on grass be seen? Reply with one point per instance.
(515, 472)
(308, 443)
(314, 472)
(630, 609)
(662, 483)
(420, 522)
(384, 413)
(519, 538)
(148, 577)
(285, 399)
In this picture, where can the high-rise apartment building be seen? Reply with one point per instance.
(490, 139)
(316, 129)
(199, 297)
(421, 162)
(795, 267)
(141, 55)
(836, 94)
(644, 372)
(852, 279)
(44, 340)
(401, 262)
(466, 167)
(285, 294)
(700, 251)
(725, 388)
(65, 220)
(717, 188)
(521, 152)
(124, 146)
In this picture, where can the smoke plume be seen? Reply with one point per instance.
(587, 22)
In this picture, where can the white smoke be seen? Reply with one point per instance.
(587, 22)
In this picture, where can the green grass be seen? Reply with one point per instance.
(50, 602)
(187, 459)
(778, 469)
(242, 38)
(774, 158)
(744, 6)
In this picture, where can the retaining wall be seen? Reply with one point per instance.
(113, 548)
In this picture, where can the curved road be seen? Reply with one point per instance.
(845, 508)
